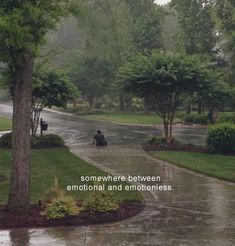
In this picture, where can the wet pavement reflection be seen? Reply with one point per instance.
(199, 211)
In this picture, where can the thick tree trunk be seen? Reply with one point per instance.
(146, 106)
(189, 109)
(35, 117)
(128, 102)
(91, 102)
(166, 130)
(199, 108)
(19, 197)
(121, 102)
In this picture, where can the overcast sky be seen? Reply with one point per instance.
(162, 1)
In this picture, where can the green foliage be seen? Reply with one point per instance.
(146, 22)
(164, 81)
(100, 201)
(221, 138)
(54, 191)
(5, 140)
(225, 15)
(49, 140)
(91, 74)
(196, 35)
(162, 141)
(23, 25)
(51, 88)
(227, 117)
(113, 32)
(196, 118)
(61, 207)
(161, 75)
(225, 12)
(214, 95)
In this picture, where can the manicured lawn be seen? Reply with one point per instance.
(5, 124)
(48, 163)
(127, 117)
(218, 166)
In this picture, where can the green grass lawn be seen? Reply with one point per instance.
(5, 124)
(48, 163)
(126, 117)
(222, 167)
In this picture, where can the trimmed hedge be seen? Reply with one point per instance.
(221, 138)
(49, 140)
(227, 117)
(196, 118)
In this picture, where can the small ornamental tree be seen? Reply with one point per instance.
(50, 88)
(23, 26)
(164, 81)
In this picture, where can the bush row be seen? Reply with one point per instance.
(58, 205)
(196, 118)
(49, 140)
(221, 138)
(227, 117)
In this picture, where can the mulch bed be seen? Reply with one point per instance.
(9, 220)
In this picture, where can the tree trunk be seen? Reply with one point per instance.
(166, 131)
(146, 106)
(91, 102)
(171, 126)
(35, 117)
(19, 196)
(199, 110)
(121, 101)
(128, 102)
(189, 109)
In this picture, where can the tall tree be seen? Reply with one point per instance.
(164, 81)
(50, 88)
(197, 28)
(145, 24)
(23, 25)
(225, 13)
(116, 30)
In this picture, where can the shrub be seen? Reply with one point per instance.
(227, 117)
(100, 201)
(221, 138)
(49, 140)
(162, 141)
(196, 118)
(5, 140)
(61, 207)
(54, 191)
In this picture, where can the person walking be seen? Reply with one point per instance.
(99, 139)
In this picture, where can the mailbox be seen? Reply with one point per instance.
(44, 126)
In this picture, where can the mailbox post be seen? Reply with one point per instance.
(43, 125)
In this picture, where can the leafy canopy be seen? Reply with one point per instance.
(24, 23)
(167, 78)
(51, 88)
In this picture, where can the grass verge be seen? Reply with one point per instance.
(5, 124)
(126, 117)
(218, 166)
(68, 168)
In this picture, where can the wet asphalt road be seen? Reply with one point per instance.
(199, 211)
